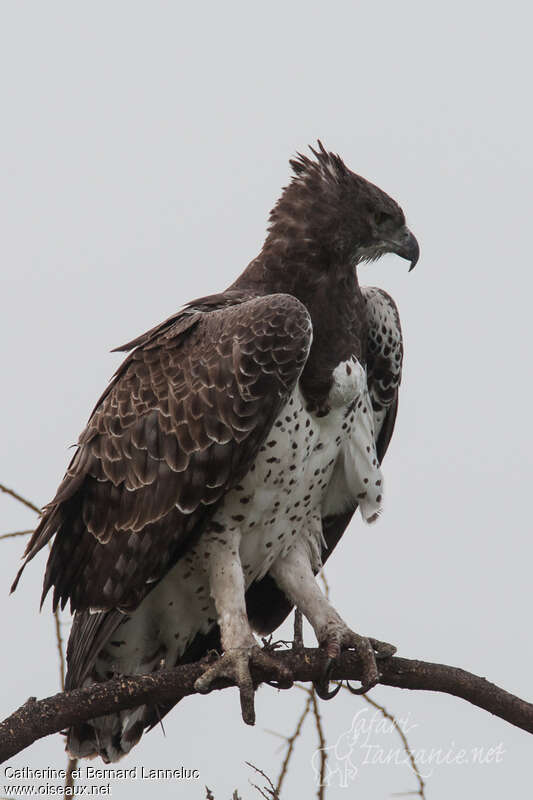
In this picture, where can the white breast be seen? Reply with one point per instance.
(308, 467)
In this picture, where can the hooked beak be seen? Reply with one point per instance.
(406, 246)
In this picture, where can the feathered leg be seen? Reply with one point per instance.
(226, 581)
(295, 577)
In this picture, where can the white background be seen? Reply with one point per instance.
(142, 146)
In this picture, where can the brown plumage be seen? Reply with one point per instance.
(179, 424)
(192, 412)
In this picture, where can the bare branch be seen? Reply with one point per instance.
(72, 763)
(322, 746)
(14, 534)
(271, 789)
(291, 741)
(298, 641)
(403, 737)
(37, 719)
(59, 644)
(19, 497)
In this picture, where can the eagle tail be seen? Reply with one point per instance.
(111, 737)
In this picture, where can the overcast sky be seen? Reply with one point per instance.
(142, 146)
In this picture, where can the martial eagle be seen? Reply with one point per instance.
(225, 459)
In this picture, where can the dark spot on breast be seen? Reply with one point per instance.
(216, 526)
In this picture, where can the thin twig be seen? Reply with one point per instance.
(321, 793)
(19, 497)
(15, 533)
(72, 763)
(403, 737)
(59, 643)
(271, 789)
(298, 641)
(290, 742)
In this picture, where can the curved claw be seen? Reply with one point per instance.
(276, 685)
(321, 686)
(326, 694)
(363, 689)
(234, 665)
(369, 651)
(382, 649)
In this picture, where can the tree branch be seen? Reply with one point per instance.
(36, 719)
(17, 496)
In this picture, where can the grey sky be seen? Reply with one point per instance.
(142, 146)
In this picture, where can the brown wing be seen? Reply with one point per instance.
(179, 425)
(267, 606)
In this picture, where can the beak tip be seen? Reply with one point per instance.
(414, 252)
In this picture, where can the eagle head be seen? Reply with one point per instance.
(338, 216)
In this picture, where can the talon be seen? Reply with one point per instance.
(234, 666)
(283, 679)
(382, 649)
(369, 651)
(363, 689)
(321, 686)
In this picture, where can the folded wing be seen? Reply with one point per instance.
(178, 426)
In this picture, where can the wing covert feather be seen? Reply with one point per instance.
(179, 425)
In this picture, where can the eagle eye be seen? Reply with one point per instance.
(380, 217)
